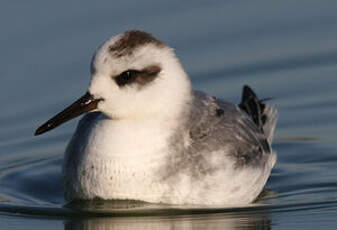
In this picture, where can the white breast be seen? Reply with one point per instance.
(117, 160)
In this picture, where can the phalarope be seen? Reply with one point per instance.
(149, 136)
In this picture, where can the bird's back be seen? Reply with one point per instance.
(228, 157)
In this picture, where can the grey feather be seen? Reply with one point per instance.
(215, 125)
(231, 128)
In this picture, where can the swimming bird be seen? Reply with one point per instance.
(148, 136)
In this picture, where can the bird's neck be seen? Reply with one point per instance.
(137, 136)
(143, 134)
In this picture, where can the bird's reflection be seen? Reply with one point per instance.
(126, 215)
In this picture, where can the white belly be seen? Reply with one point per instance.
(120, 161)
(116, 160)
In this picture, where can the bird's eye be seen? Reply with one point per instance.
(127, 77)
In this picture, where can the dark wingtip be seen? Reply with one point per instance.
(252, 106)
(247, 92)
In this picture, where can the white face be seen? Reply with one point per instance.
(138, 82)
(134, 76)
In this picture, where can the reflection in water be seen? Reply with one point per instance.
(219, 221)
(124, 214)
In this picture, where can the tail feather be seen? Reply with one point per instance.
(270, 123)
(262, 115)
(252, 106)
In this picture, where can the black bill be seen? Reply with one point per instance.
(84, 104)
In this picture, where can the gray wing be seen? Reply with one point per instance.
(217, 125)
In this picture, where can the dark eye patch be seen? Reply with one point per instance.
(139, 77)
(127, 77)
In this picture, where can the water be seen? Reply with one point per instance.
(283, 49)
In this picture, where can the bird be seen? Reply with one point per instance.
(148, 136)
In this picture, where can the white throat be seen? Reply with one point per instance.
(120, 154)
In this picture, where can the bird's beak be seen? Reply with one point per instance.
(84, 104)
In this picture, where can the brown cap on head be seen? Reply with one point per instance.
(131, 40)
